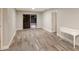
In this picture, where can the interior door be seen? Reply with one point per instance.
(26, 21)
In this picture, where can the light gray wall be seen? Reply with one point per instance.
(68, 18)
(19, 19)
(48, 20)
(0, 27)
(9, 28)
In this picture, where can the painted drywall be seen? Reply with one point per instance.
(68, 18)
(19, 19)
(0, 28)
(9, 28)
(48, 20)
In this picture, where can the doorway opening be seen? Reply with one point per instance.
(33, 22)
(29, 21)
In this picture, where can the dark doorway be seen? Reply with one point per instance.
(26, 21)
(33, 23)
(29, 21)
(33, 18)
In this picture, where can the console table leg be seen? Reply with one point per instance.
(74, 41)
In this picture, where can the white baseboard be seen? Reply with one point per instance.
(12, 39)
(48, 30)
(60, 35)
(7, 46)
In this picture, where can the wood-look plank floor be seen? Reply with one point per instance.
(39, 40)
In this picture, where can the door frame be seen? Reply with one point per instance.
(55, 20)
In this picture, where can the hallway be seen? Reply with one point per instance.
(39, 40)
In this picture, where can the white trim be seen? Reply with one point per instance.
(48, 30)
(7, 46)
(60, 35)
(12, 39)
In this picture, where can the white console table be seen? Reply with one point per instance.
(73, 32)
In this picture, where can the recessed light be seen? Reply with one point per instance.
(33, 8)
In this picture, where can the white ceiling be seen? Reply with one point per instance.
(33, 10)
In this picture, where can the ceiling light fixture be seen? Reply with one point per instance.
(33, 8)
